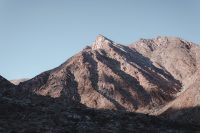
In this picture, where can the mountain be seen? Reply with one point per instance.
(6, 87)
(158, 77)
(17, 81)
(110, 76)
(140, 77)
(177, 56)
(4, 83)
(182, 60)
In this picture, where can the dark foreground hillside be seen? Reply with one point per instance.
(47, 115)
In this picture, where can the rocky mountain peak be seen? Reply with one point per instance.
(163, 40)
(101, 42)
(160, 41)
(172, 41)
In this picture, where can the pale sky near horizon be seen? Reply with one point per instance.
(38, 35)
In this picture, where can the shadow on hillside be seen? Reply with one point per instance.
(184, 115)
(130, 81)
(70, 88)
(150, 71)
(42, 114)
(36, 82)
(94, 78)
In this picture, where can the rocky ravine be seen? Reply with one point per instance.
(152, 76)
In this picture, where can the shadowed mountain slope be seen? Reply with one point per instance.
(4, 83)
(51, 115)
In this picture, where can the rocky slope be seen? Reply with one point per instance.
(185, 107)
(4, 83)
(182, 60)
(177, 56)
(36, 114)
(6, 87)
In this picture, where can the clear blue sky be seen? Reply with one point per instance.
(37, 35)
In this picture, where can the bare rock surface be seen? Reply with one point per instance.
(182, 60)
(177, 56)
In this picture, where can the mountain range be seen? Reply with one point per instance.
(152, 80)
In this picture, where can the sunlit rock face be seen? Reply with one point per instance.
(101, 42)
